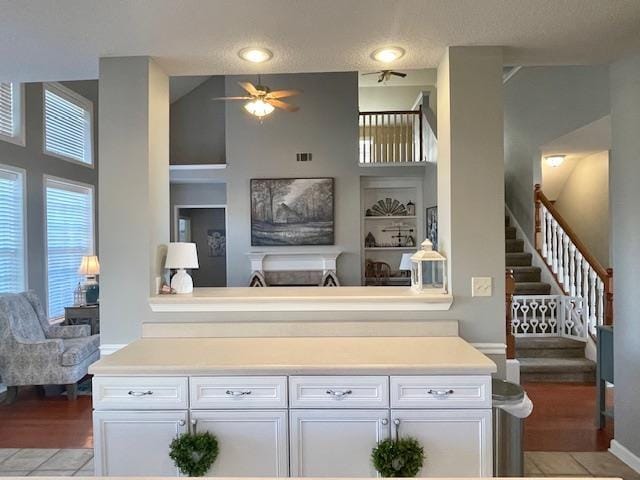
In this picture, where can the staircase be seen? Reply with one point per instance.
(546, 359)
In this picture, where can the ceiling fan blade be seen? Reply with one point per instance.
(232, 98)
(283, 93)
(398, 74)
(371, 73)
(248, 86)
(282, 105)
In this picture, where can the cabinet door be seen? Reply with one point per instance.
(457, 443)
(335, 443)
(130, 443)
(252, 443)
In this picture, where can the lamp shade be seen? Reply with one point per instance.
(89, 265)
(181, 255)
(405, 263)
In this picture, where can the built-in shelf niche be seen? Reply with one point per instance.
(388, 248)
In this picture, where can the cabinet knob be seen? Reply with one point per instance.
(384, 421)
(182, 423)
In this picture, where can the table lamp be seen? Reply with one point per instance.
(90, 267)
(181, 255)
(405, 263)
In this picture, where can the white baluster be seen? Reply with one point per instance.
(585, 286)
(549, 239)
(554, 256)
(572, 270)
(600, 285)
(592, 298)
(543, 221)
(565, 261)
(560, 250)
(578, 274)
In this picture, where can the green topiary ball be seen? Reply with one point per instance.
(194, 453)
(398, 458)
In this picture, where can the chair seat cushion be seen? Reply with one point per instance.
(77, 349)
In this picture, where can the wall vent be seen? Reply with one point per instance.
(303, 157)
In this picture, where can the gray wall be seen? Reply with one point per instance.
(197, 127)
(625, 222)
(37, 164)
(212, 271)
(540, 105)
(584, 203)
(194, 194)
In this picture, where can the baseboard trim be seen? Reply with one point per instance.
(491, 348)
(109, 348)
(624, 454)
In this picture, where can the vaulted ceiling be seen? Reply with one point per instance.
(63, 39)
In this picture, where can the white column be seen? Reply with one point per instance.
(133, 191)
(471, 183)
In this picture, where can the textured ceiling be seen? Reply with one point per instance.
(63, 39)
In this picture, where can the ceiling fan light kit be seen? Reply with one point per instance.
(255, 54)
(259, 108)
(388, 54)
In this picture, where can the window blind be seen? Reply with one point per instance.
(7, 112)
(12, 238)
(69, 210)
(67, 124)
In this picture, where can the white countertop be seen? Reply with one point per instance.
(296, 356)
(301, 299)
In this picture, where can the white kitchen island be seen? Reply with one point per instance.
(300, 407)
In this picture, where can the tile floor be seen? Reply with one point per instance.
(15, 462)
(576, 464)
(50, 462)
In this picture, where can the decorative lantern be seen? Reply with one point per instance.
(428, 270)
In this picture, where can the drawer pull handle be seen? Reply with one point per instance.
(238, 393)
(140, 394)
(440, 393)
(338, 394)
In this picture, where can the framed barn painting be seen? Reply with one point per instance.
(292, 211)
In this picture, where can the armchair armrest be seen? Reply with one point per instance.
(47, 350)
(68, 331)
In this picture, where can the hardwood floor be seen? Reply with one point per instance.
(34, 421)
(563, 419)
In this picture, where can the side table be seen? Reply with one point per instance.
(83, 315)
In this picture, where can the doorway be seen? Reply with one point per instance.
(206, 226)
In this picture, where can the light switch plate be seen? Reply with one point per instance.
(481, 287)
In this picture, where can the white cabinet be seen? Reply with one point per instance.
(457, 443)
(335, 443)
(136, 443)
(252, 443)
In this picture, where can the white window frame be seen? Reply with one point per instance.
(17, 111)
(25, 259)
(78, 100)
(71, 183)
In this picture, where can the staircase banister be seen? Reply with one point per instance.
(391, 112)
(604, 273)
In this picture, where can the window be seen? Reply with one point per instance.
(68, 124)
(11, 112)
(69, 236)
(12, 231)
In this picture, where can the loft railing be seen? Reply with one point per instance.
(549, 316)
(577, 271)
(392, 137)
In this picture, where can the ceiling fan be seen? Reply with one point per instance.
(385, 75)
(262, 101)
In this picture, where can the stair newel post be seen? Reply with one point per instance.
(510, 286)
(536, 199)
(608, 290)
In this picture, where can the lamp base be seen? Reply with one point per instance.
(182, 282)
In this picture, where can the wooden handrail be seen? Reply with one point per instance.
(510, 287)
(392, 112)
(605, 274)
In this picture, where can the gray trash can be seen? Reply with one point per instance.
(510, 407)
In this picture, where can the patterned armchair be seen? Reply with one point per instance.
(33, 352)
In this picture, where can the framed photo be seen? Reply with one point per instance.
(217, 243)
(432, 226)
(292, 211)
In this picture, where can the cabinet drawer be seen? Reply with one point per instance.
(441, 392)
(238, 392)
(339, 392)
(146, 393)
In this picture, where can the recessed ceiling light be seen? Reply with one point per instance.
(387, 54)
(255, 54)
(555, 160)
